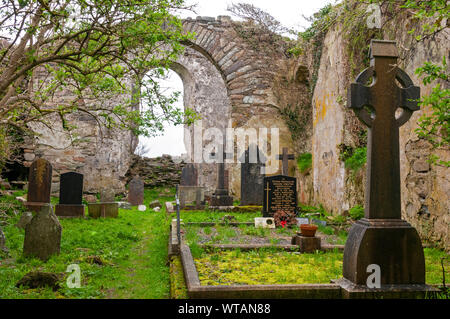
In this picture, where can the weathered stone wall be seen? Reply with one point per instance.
(230, 77)
(159, 171)
(226, 80)
(425, 188)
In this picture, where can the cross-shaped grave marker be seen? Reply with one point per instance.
(221, 189)
(382, 238)
(221, 197)
(285, 157)
(384, 96)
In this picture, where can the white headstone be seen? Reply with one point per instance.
(142, 208)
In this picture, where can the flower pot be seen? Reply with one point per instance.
(308, 230)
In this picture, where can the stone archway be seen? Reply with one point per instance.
(222, 75)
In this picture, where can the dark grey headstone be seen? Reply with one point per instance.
(43, 234)
(252, 176)
(280, 193)
(189, 175)
(136, 192)
(71, 189)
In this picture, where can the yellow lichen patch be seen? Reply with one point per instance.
(268, 268)
(321, 108)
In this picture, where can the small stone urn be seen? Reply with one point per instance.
(308, 230)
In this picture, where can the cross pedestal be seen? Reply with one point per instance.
(382, 238)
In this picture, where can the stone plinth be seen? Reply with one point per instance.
(221, 200)
(408, 291)
(105, 210)
(394, 245)
(69, 211)
(307, 244)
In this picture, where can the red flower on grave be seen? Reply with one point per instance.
(283, 223)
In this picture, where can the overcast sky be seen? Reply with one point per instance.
(288, 12)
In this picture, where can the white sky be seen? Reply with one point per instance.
(288, 12)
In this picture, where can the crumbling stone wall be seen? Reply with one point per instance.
(155, 172)
(225, 79)
(425, 188)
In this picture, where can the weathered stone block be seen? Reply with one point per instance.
(43, 234)
(105, 210)
(307, 244)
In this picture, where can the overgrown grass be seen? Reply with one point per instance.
(132, 246)
(215, 217)
(266, 266)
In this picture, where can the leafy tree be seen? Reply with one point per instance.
(61, 58)
(260, 17)
(434, 16)
(435, 127)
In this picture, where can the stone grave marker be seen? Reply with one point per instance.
(107, 208)
(189, 175)
(25, 218)
(191, 197)
(252, 176)
(43, 234)
(70, 196)
(107, 195)
(284, 158)
(221, 196)
(136, 191)
(280, 193)
(382, 238)
(39, 184)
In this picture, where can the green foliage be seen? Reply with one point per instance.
(357, 160)
(96, 50)
(320, 22)
(304, 162)
(438, 11)
(435, 127)
(295, 123)
(354, 158)
(356, 212)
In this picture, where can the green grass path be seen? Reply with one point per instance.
(133, 248)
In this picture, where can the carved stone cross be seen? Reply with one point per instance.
(285, 157)
(383, 96)
(221, 190)
(382, 238)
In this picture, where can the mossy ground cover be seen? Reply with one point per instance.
(242, 234)
(133, 248)
(265, 267)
